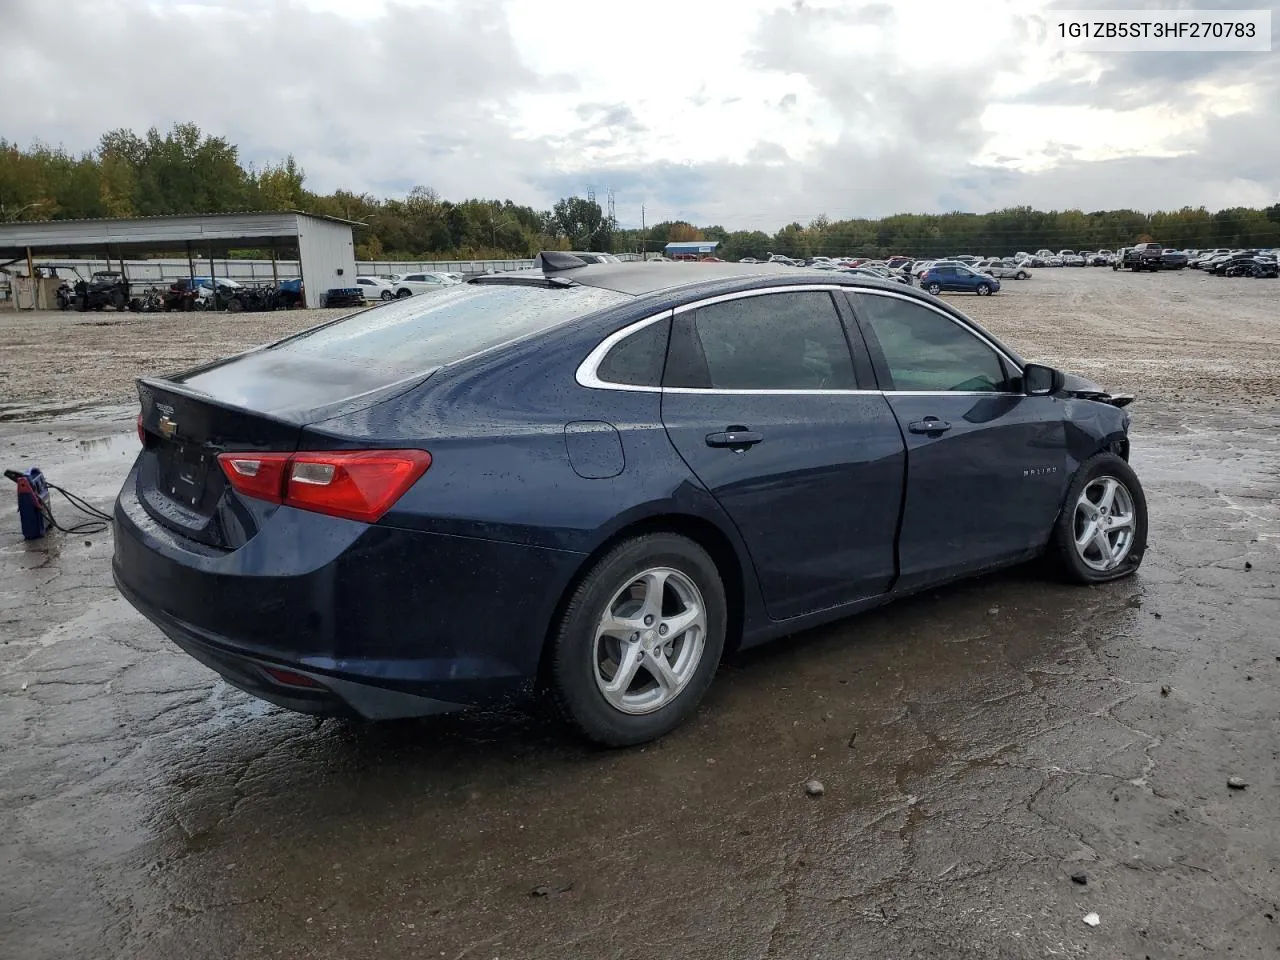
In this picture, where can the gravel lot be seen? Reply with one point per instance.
(980, 746)
(1168, 337)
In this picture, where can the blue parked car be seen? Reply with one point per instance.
(596, 481)
(958, 277)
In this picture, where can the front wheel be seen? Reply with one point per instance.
(984, 290)
(1101, 533)
(388, 295)
(639, 640)
(934, 288)
(401, 294)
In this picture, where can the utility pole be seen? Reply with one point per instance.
(644, 236)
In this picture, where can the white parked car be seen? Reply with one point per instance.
(375, 288)
(413, 283)
(1002, 269)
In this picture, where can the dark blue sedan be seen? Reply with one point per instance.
(596, 480)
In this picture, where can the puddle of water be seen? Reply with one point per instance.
(12, 412)
(123, 445)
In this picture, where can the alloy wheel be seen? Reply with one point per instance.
(649, 641)
(1104, 524)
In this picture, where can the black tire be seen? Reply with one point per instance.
(82, 304)
(402, 293)
(934, 288)
(1063, 543)
(1021, 275)
(235, 305)
(387, 295)
(984, 290)
(572, 667)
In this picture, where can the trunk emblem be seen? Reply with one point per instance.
(167, 427)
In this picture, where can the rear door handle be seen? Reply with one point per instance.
(734, 439)
(929, 425)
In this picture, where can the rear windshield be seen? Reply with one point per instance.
(418, 333)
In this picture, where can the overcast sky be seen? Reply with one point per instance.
(748, 113)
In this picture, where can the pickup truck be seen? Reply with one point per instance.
(1142, 256)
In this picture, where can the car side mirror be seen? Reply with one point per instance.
(1039, 380)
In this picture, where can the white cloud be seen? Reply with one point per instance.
(750, 113)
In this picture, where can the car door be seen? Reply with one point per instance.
(986, 464)
(761, 400)
(946, 276)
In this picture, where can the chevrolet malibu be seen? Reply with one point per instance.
(597, 480)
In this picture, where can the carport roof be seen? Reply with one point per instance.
(153, 233)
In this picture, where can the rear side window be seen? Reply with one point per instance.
(637, 360)
(777, 341)
(415, 334)
(925, 351)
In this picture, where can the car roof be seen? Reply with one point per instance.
(640, 279)
(674, 282)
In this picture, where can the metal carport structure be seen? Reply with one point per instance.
(325, 246)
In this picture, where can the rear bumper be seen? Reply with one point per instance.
(332, 695)
(389, 622)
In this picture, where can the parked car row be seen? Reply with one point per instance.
(1238, 263)
(397, 286)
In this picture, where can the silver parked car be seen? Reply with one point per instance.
(1002, 269)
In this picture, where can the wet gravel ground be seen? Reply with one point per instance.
(978, 746)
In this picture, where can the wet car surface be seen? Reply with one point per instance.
(977, 745)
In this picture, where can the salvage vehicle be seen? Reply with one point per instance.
(179, 295)
(1248, 263)
(415, 283)
(105, 288)
(594, 481)
(1142, 256)
(958, 278)
(375, 288)
(1171, 259)
(1002, 269)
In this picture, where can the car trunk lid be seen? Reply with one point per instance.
(256, 402)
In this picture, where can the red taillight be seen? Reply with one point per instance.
(259, 475)
(355, 484)
(142, 432)
(289, 678)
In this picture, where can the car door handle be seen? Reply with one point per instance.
(734, 439)
(929, 425)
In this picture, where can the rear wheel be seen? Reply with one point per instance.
(1101, 533)
(388, 295)
(1021, 275)
(639, 641)
(984, 290)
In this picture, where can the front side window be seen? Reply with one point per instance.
(775, 341)
(926, 351)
